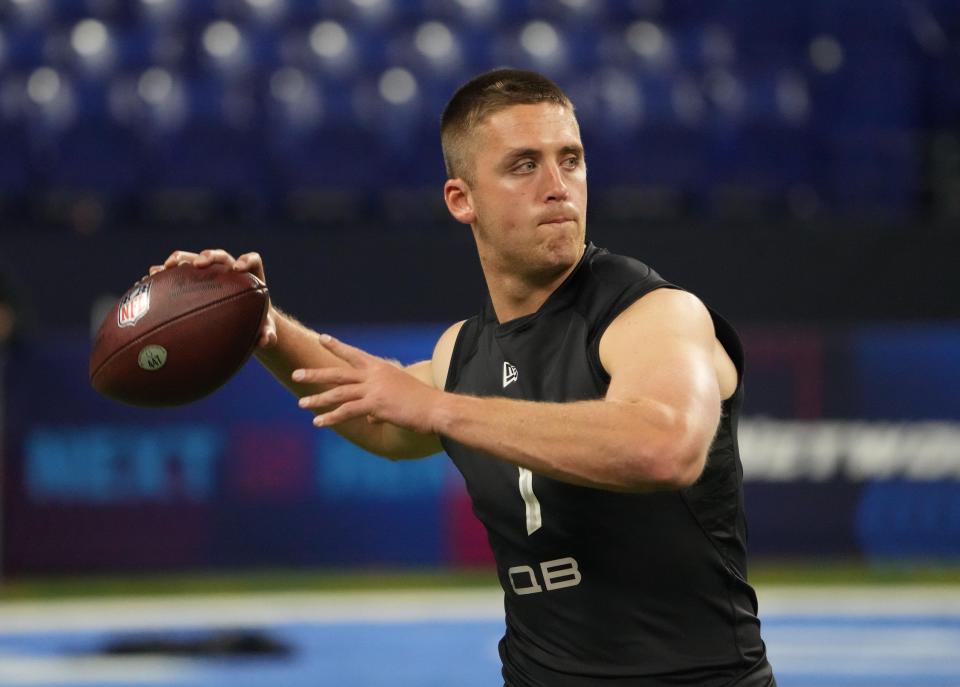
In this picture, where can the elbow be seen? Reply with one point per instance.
(683, 462)
(676, 462)
(686, 470)
(670, 472)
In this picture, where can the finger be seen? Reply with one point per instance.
(327, 375)
(251, 262)
(347, 411)
(214, 255)
(178, 257)
(154, 269)
(345, 352)
(332, 397)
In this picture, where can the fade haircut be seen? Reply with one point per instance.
(482, 96)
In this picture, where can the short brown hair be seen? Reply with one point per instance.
(482, 96)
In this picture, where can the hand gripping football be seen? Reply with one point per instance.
(178, 335)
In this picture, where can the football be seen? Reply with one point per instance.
(178, 335)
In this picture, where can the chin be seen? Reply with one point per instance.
(566, 247)
(561, 253)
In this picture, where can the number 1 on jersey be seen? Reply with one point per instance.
(530, 502)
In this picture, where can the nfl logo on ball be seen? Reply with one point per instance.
(134, 305)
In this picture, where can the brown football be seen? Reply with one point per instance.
(178, 335)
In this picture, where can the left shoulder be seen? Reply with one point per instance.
(610, 283)
(621, 270)
(668, 323)
(663, 311)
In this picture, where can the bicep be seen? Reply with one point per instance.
(433, 372)
(443, 354)
(399, 443)
(403, 443)
(422, 371)
(661, 349)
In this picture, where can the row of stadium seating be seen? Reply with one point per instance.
(745, 13)
(332, 45)
(816, 105)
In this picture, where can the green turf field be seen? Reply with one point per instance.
(762, 573)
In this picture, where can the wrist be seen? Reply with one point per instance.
(275, 314)
(443, 412)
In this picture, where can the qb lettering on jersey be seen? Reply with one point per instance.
(556, 574)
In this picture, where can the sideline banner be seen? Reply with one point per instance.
(851, 446)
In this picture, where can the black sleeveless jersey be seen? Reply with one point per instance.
(606, 587)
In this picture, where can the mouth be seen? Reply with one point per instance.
(558, 220)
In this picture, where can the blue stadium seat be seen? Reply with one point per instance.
(373, 13)
(70, 11)
(768, 157)
(93, 152)
(179, 12)
(24, 46)
(874, 172)
(537, 45)
(136, 46)
(218, 148)
(264, 46)
(335, 157)
(479, 15)
(95, 155)
(587, 14)
(669, 154)
(857, 96)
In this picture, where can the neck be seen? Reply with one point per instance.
(515, 295)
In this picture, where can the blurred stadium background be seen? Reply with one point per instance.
(795, 163)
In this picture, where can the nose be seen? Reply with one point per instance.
(555, 187)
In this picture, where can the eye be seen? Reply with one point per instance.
(572, 162)
(525, 167)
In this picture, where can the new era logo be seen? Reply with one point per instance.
(509, 374)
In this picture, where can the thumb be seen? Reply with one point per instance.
(268, 335)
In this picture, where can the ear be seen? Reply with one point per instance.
(456, 193)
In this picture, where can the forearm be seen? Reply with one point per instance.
(298, 347)
(626, 446)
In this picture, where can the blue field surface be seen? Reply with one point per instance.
(813, 648)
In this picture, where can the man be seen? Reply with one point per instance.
(591, 407)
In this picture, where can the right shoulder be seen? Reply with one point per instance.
(443, 353)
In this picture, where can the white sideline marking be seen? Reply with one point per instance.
(17, 669)
(877, 600)
(405, 606)
(795, 651)
(249, 609)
